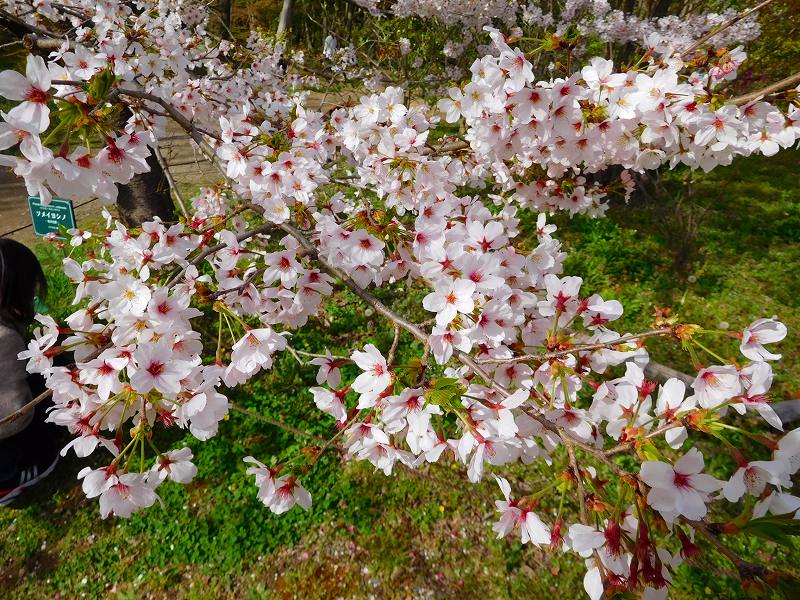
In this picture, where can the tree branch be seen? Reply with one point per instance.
(747, 570)
(19, 27)
(778, 86)
(211, 249)
(723, 27)
(26, 408)
(33, 41)
(579, 348)
(573, 463)
(41, 397)
(278, 424)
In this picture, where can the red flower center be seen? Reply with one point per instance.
(155, 368)
(682, 481)
(38, 96)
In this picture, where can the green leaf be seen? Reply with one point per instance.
(446, 383)
(445, 392)
(100, 84)
(775, 528)
(69, 113)
(411, 373)
(648, 450)
(439, 397)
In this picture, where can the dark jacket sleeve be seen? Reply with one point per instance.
(14, 390)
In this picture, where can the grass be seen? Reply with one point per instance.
(427, 534)
(741, 264)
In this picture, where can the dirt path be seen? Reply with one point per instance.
(15, 219)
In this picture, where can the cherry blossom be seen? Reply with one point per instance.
(376, 376)
(679, 490)
(328, 369)
(129, 493)
(175, 465)
(513, 362)
(760, 332)
(715, 385)
(34, 91)
(753, 478)
(449, 299)
(157, 369)
(531, 527)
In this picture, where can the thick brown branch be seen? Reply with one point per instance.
(776, 87)
(747, 570)
(178, 117)
(445, 148)
(19, 27)
(33, 41)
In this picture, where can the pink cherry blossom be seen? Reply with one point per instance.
(760, 332)
(328, 370)
(715, 385)
(680, 489)
(449, 299)
(34, 91)
(376, 375)
(157, 369)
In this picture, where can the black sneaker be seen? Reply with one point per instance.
(28, 474)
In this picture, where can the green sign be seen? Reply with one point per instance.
(48, 219)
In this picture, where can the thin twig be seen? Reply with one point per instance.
(212, 249)
(294, 353)
(315, 355)
(573, 463)
(26, 408)
(239, 288)
(723, 27)
(173, 185)
(626, 446)
(278, 424)
(43, 396)
(578, 348)
(393, 350)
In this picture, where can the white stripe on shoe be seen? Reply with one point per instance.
(27, 478)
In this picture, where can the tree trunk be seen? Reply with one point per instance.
(145, 197)
(662, 8)
(285, 21)
(225, 8)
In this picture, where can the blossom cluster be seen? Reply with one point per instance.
(589, 17)
(136, 359)
(520, 365)
(543, 142)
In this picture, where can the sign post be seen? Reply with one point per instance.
(48, 219)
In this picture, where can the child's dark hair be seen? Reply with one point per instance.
(21, 279)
